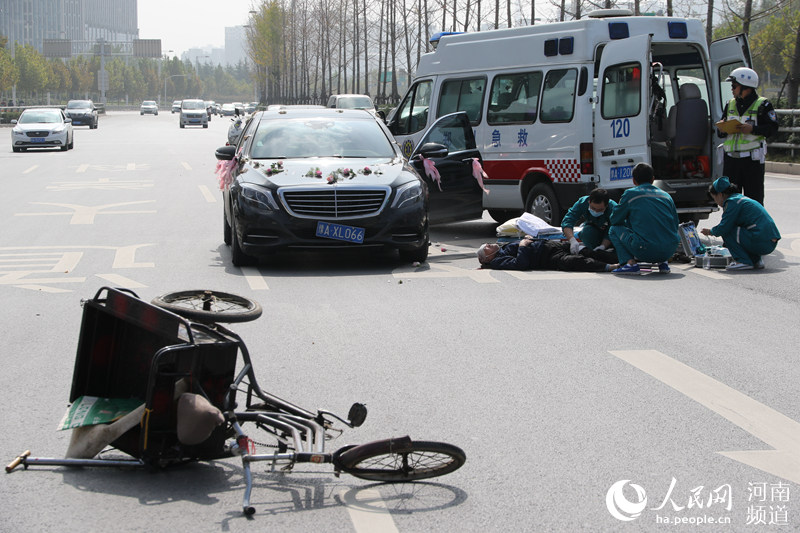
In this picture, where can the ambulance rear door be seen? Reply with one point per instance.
(726, 55)
(621, 111)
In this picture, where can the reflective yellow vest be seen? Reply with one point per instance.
(741, 142)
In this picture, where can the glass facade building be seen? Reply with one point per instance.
(30, 22)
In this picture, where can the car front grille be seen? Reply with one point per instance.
(37, 133)
(335, 202)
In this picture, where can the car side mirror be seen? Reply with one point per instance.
(433, 150)
(225, 153)
(382, 115)
(68, 120)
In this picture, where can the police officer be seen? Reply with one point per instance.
(746, 149)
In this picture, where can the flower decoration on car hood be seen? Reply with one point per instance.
(340, 174)
(274, 168)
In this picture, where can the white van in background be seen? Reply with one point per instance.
(559, 109)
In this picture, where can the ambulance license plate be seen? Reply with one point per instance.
(340, 232)
(621, 173)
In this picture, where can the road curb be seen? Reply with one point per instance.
(782, 168)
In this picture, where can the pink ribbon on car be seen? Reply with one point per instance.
(479, 173)
(431, 172)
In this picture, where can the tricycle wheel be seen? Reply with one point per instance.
(398, 460)
(209, 306)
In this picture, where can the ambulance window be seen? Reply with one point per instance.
(462, 95)
(514, 98)
(412, 114)
(695, 76)
(725, 88)
(558, 97)
(622, 88)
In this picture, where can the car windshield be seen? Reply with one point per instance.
(354, 103)
(193, 104)
(148, 103)
(319, 137)
(78, 104)
(40, 116)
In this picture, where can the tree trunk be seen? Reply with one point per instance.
(496, 14)
(748, 14)
(709, 21)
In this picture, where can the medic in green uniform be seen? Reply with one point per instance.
(746, 228)
(644, 225)
(594, 211)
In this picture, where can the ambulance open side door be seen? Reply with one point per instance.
(621, 111)
(726, 54)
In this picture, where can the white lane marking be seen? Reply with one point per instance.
(131, 166)
(43, 288)
(121, 281)
(446, 271)
(376, 519)
(31, 169)
(83, 214)
(551, 275)
(254, 278)
(186, 165)
(764, 423)
(82, 168)
(710, 273)
(206, 192)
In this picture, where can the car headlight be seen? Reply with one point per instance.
(17, 131)
(408, 194)
(257, 196)
(59, 129)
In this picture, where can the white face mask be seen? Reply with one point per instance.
(595, 213)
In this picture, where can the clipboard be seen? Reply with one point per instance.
(728, 126)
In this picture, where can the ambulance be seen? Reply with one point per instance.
(556, 110)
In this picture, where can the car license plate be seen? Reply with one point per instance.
(340, 232)
(621, 173)
(37, 139)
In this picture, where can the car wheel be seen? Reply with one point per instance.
(543, 203)
(64, 148)
(238, 257)
(416, 255)
(502, 215)
(226, 229)
(182, 125)
(205, 125)
(15, 149)
(156, 114)
(141, 113)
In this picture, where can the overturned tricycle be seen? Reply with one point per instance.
(175, 365)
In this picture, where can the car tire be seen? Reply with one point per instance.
(15, 149)
(238, 257)
(226, 229)
(182, 126)
(141, 113)
(64, 148)
(205, 125)
(543, 203)
(502, 215)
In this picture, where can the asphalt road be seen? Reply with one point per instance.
(677, 394)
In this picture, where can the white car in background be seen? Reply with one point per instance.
(45, 127)
(148, 107)
(193, 113)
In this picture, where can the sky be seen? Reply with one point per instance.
(184, 24)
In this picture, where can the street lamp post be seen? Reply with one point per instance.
(165, 83)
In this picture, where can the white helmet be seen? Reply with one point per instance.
(744, 76)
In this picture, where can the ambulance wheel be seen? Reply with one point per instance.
(502, 215)
(543, 203)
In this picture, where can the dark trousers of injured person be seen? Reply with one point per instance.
(555, 256)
